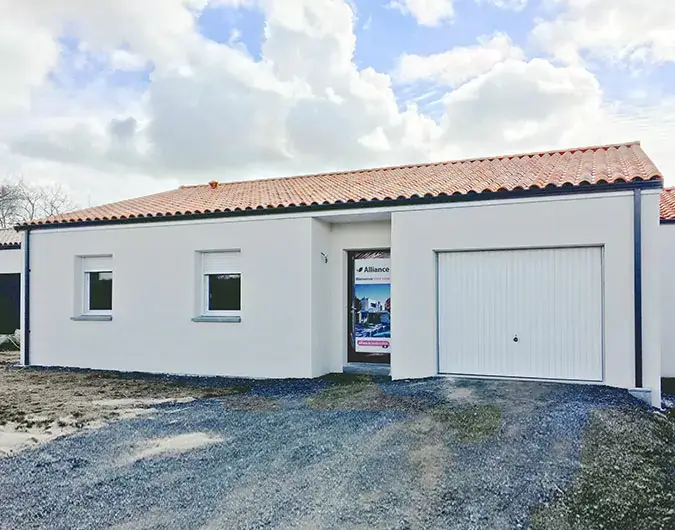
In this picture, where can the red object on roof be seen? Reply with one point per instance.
(574, 167)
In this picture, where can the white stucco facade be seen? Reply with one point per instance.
(599, 220)
(667, 234)
(11, 261)
(294, 285)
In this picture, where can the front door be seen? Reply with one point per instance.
(369, 305)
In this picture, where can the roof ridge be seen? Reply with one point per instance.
(423, 164)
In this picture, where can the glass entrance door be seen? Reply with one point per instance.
(369, 307)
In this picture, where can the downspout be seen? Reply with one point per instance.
(26, 300)
(637, 286)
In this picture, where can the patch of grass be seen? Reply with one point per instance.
(342, 396)
(366, 396)
(472, 423)
(627, 476)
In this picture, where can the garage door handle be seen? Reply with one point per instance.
(515, 339)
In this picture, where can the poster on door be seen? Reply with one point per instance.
(372, 305)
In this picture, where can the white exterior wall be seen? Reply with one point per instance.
(605, 220)
(651, 295)
(294, 305)
(11, 261)
(155, 296)
(319, 315)
(667, 235)
(293, 302)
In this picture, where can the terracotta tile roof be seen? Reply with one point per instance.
(667, 207)
(581, 166)
(9, 238)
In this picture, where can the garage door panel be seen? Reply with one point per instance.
(550, 300)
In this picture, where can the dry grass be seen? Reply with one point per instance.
(51, 401)
(627, 476)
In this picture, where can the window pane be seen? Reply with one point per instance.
(100, 291)
(224, 292)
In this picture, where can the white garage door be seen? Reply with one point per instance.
(521, 313)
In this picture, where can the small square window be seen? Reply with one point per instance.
(221, 283)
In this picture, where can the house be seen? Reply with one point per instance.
(667, 230)
(11, 262)
(526, 266)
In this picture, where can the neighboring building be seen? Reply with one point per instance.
(11, 262)
(524, 266)
(668, 281)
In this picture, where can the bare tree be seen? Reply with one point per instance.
(21, 202)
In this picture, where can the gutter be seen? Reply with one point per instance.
(637, 283)
(10, 246)
(26, 302)
(362, 204)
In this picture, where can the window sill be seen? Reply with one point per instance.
(230, 319)
(92, 318)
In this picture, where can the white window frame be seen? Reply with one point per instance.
(86, 283)
(205, 311)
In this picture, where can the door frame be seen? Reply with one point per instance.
(352, 355)
(600, 246)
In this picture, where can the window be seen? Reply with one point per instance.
(98, 281)
(221, 284)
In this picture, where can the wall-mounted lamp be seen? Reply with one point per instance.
(325, 258)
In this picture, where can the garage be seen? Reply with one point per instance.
(521, 313)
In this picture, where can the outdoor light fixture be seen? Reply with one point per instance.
(325, 258)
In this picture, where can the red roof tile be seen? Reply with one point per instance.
(667, 207)
(582, 166)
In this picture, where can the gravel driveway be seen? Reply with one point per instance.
(352, 453)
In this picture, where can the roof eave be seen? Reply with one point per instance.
(653, 183)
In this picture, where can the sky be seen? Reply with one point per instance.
(120, 98)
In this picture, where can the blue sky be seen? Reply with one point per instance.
(119, 98)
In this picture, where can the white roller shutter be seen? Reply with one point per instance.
(521, 313)
(221, 262)
(97, 264)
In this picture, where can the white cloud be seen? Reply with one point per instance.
(513, 5)
(634, 31)
(426, 12)
(458, 65)
(521, 106)
(211, 110)
(124, 60)
(27, 54)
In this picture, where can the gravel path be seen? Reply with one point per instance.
(316, 454)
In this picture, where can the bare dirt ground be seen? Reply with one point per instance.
(37, 406)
